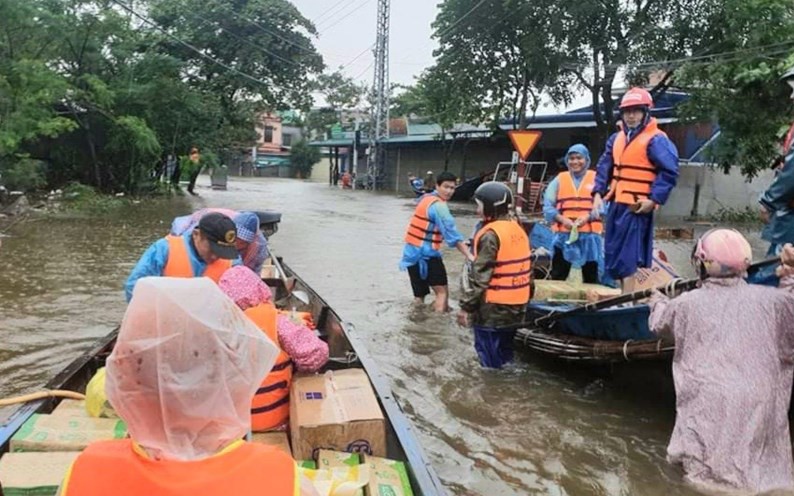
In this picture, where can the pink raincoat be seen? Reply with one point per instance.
(733, 370)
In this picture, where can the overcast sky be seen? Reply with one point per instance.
(347, 28)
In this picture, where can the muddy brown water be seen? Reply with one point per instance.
(536, 427)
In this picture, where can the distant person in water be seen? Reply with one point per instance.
(432, 225)
(417, 184)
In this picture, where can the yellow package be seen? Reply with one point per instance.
(96, 403)
(338, 481)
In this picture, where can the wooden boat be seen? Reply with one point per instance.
(604, 336)
(345, 350)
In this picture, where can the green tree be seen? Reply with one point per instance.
(735, 82)
(303, 157)
(500, 57)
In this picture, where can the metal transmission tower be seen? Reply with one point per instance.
(379, 130)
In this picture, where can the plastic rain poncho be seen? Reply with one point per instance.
(733, 369)
(185, 368)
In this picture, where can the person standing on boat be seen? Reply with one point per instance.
(639, 169)
(206, 251)
(499, 278)
(297, 344)
(568, 207)
(182, 374)
(251, 243)
(733, 369)
(431, 225)
(777, 202)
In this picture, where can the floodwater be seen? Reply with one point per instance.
(534, 428)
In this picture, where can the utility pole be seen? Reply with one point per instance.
(379, 130)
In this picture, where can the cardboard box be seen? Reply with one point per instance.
(658, 274)
(336, 411)
(276, 439)
(39, 474)
(70, 408)
(48, 433)
(329, 458)
(387, 478)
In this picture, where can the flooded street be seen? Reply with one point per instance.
(534, 428)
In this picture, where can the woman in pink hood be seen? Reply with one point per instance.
(733, 370)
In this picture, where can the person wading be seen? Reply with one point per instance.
(431, 225)
(500, 277)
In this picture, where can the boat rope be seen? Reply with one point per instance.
(626, 350)
(55, 393)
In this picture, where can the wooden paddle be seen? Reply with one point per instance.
(681, 285)
(289, 285)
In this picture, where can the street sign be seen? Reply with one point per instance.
(524, 141)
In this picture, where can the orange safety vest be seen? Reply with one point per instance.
(178, 264)
(270, 407)
(419, 228)
(113, 467)
(573, 202)
(633, 171)
(509, 283)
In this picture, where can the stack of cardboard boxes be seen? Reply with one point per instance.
(338, 436)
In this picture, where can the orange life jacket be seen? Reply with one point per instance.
(113, 467)
(270, 407)
(633, 172)
(573, 203)
(509, 283)
(178, 264)
(419, 228)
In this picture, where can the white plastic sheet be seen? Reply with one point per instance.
(185, 368)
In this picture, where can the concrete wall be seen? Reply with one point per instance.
(717, 191)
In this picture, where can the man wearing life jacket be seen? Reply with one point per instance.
(181, 375)
(777, 202)
(205, 251)
(567, 206)
(637, 172)
(432, 225)
(298, 346)
(251, 243)
(500, 276)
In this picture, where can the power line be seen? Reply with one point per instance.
(461, 19)
(357, 56)
(329, 14)
(327, 28)
(308, 49)
(188, 45)
(332, 7)
(247, 42)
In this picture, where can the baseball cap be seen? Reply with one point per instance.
(221, 233)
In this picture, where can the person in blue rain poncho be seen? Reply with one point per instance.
(637, 172)
(777, 202)
(567, 207)
(431, 226)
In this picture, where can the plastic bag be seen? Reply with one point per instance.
(96, 401)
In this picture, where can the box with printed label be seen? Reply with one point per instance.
(336, 411)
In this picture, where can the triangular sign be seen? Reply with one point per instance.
(524, 141)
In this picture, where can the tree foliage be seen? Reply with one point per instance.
(740, 89)
(303, 157)
(101, 90)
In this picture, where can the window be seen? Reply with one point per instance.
(268, 134)
(286, 140)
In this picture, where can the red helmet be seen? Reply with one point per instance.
(636, 97)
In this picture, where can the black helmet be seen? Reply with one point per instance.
(495, 198)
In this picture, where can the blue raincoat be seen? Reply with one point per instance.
(590, 246)
(628, 243)
(440, 217)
